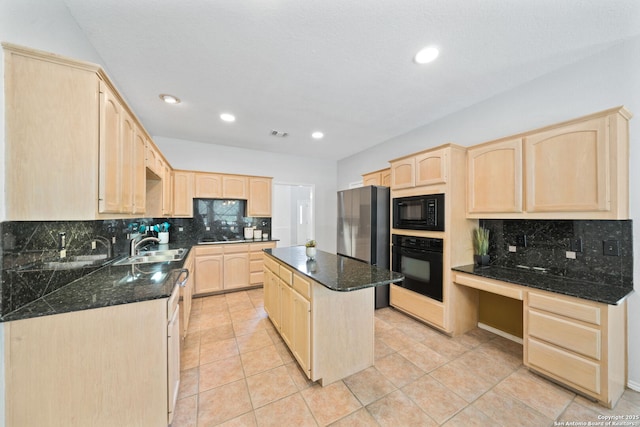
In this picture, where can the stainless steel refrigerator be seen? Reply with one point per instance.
(363, 229)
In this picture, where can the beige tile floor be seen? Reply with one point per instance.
(236, 371)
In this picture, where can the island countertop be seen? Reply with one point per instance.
(335, 272)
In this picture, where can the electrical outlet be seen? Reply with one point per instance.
(521, 240)
(113, 239)
(180, 228)
(570, 255)
(611, 248)
(513, 248)
(575, 245)
(63, 253)
(93, 244)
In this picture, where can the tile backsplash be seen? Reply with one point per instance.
(27, 246)
(548, 241)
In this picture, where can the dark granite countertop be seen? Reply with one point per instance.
(594, 291)
(336, 272)
(106, 286)
(112, 285)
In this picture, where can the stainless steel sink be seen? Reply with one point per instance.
(153, 256)
(70, 263)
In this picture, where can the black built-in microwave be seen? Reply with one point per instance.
(419, 212)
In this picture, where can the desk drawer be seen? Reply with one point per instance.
(563, 306)
(573, 336)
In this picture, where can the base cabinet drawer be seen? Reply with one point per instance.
(568, 367)
(573, 336)
(417, 305)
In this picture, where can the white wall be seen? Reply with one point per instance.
(607, 79)
(283, 168)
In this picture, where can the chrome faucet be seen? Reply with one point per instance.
(107, 244)
(135, 244)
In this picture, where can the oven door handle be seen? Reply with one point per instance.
(417, 252)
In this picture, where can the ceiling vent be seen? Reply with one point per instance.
(279, 133)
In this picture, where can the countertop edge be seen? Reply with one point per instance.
(618, 293)
(332, 288)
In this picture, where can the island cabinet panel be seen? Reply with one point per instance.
(330, 333)
(579, 343)
(100, 367)
(208, 185)
(494, 173)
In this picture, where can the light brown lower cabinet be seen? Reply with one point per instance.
(579, 343)
(228, 266)
(106, 367)
(330, 334)
(208, 266)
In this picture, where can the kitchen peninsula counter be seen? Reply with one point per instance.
(323, 309)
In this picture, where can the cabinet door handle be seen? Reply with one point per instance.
(183, 282)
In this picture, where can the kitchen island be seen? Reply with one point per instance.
(323, 308)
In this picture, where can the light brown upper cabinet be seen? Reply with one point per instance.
(431, 167)
(183, 193)
(70, 141)
(235, 187)
(403, 173)
(259, 202)
(139, 172)
(208, 185)
(110, 188)
(381, 177)
(122, 157)
(154, 160)
(494, 174)
(573, 170)
(421, 169)
(167, 191)
(568, 168)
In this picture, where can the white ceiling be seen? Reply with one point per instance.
(340, 66)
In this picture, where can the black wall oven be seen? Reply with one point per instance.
(419, 212)
(420, 260)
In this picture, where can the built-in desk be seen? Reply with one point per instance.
(578, 342)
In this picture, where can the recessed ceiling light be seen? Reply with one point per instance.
(226, 117)
(426, 55)
(169, 99)
(317, 135)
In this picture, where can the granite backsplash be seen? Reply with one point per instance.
(547, 243)
(26, 245)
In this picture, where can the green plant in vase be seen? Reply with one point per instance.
(310, 248)
(481, 246)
